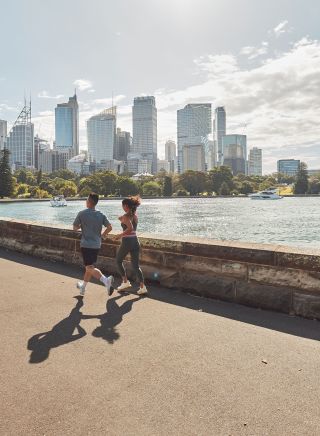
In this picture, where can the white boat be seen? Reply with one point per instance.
(268, 194)
(58, 201)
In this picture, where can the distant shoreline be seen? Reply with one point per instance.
(37, 200)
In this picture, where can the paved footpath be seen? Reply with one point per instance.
(171, 364)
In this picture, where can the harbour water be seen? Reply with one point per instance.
(290, 221)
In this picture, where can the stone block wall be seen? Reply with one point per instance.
(265, 276)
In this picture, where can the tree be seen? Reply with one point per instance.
(246, 188)
(219, 176)
(225, 189)
(167, 186)
(302, 183)
(314, 186)
(63, 174)
(69, 189)
(126, 186)
(6, 178)
(193, 181)
(152, 189)
(39, 177)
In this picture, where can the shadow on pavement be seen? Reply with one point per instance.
(60, 334)
(271, 320)
(111, 318)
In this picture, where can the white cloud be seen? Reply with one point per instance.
(281, 28)
(45, 113)
(45, 94)
(254, 52)
(109, 100)
(83, 85)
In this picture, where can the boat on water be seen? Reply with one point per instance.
(268, 194)
(58, 201)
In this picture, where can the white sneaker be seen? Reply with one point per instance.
(123, 286)
(142, 291)
(81, 288)
(109, 285)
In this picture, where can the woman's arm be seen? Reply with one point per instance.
(125, 220)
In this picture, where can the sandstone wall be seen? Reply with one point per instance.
(264, 276)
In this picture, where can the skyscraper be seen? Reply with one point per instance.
(193, 127)
(20, 140)
(219, 132)
(3, 133)
(144, 130)
(255, 162)
(101, 133)
(289, 167)
(123, 144)
(171, 154)
(67, 125)
(234, 153)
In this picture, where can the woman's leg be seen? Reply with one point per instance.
(121, 254)
(135, 255)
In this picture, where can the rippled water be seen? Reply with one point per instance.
(290, 221)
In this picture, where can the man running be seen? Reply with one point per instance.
(90, 222)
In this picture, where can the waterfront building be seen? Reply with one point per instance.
(290, 167)
(45, 160)
(39, 145)
(193, 128)
(171, 154)
(219, 131)
(164, 165)
(144, 130)
(234, 153)
(3, 133)
(67, 125)
(137, 164)
(101, 134)
(255, 162)
(78, 164)
(114, 165)
(194, 157)
(20, 141)
(314, 172)
(60, 158)
(122, 145)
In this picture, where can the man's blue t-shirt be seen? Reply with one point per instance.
(91, 222)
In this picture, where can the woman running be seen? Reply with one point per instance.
(130, 244)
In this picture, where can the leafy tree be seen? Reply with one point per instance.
(181, 193)
(193, 181)
(39, 177)
(69, 189)
(219, 176)
(63, 174)
(6, 178)
(22, 189)
(246, 188)
(225, 189)
(314, 186)
(126, 186)
(167, 186)
(152, 189)
(302, 183)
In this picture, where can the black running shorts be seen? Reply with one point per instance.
(89, 255)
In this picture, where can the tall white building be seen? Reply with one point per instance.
(144, 129)
(20, 141)
(101, 134)
(194, 157)
(3, 133)
(67, 125)
(193, 127)
(171, 154)
(234, 153)
(255, 162)
(219, 132)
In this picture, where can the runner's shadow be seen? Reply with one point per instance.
(111, 318)
(60, 334)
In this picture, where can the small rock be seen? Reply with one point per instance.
(244, 423)
(264, 361)
(199, 310)
(300, 369)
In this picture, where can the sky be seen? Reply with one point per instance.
(260, 59)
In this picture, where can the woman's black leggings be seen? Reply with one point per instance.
(129, 245)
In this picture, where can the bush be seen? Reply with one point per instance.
(152, 189)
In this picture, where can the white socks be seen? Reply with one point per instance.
(104, 280)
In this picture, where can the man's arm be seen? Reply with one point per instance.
(106, 231)
(77, 223)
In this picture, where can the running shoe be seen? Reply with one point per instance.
(142, 291)
(123, 286)
(81, 288)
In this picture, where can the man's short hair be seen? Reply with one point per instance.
(94, 198)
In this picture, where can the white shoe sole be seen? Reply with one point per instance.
(142, 292)
(124, 288)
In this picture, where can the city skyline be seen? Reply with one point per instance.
(265, 72)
